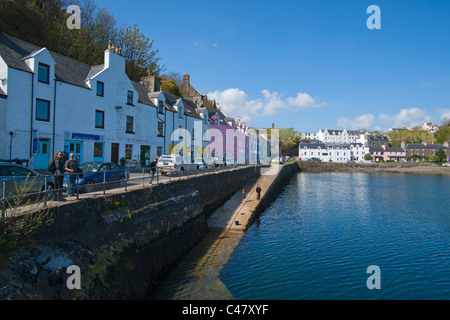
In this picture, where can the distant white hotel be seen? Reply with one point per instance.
(335, 152)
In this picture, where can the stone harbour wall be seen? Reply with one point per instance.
(122, 243)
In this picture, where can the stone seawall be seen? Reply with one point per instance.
(370, 167)
(122, 242)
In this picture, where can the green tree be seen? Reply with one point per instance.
(171, 87)
(409, 136)
(443, 134)
(139, 55)
(368, 157)
(441, 155)
(289, 139)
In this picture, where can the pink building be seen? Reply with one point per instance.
(387, 153)
(229, 140)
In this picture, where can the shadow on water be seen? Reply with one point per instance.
(196, 276)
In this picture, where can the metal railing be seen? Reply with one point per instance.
(89, 183)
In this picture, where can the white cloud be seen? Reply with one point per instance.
(303, 101)
(405, 118)
(445, 115)
(364, 121)
(235, 103)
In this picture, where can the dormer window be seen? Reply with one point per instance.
(218, 121)
(44, 73)
(180, 112)
(160, 106)
(205, 118)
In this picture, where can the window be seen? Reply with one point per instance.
(98, 150)
(159, 151)
(100, 119)
(114, 167)
(100, 89)
(42, 110)
(43, 73)
(180, 112)
(160, 106)
(160, 129)
(130, 98)
(128, 151)
(129, 126)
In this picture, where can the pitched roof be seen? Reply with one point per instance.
(2, 93)
(13, 51)
(423, 146)
(143, 94)
(312, 145)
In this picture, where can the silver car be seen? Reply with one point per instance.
(14, 177)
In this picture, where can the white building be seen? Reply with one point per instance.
(338, 136)
(333, 152)
(50, 103)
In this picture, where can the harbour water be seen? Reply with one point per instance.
(319, 236)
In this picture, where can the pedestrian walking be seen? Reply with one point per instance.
(71, 166)
(258, 192)
(152, 169)
(243, 193)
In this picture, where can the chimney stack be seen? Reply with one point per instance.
(186, 84)
(152, 83)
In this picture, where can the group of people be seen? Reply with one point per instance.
(258, 193)
(61, 165)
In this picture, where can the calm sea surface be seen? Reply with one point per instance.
(317, 239)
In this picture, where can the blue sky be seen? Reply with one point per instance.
(306, 64)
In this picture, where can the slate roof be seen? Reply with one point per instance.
(13, 51)
(312, 145)
(423, 146)
(143, 95)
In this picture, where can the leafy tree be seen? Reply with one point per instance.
(138, 53)
(171, 87)
(441, 155)
(409, 136)
(367, 157)
(289, 139)
(443, 134)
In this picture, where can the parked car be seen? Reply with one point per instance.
(203, 164)
(218, 161)
(95, 171)
(316, 160)
(209, 163)
(229, 161)
(199, 164)
(172, 163)
(447, 164)
(16, 177)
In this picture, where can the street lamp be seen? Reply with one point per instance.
(11, 135)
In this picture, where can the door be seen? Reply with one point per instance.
(43, 157)
(75, 147)
(115, 152)
(145, 155)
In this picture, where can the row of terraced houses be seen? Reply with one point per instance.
(49, 102)
(353, 145)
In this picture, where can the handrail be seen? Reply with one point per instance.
(49, 180)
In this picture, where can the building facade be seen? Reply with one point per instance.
(51, 103)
